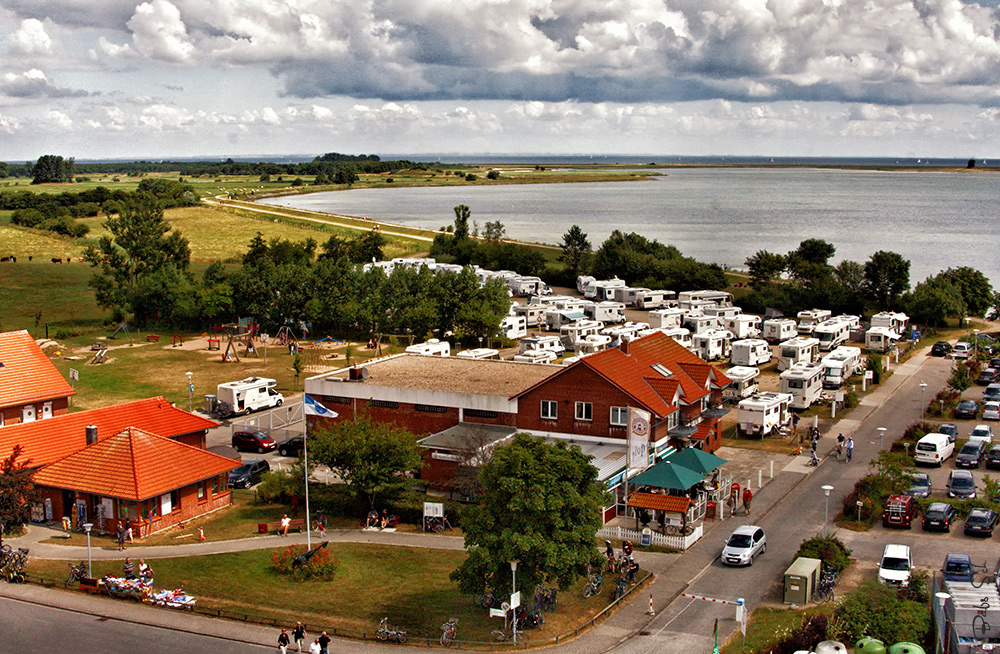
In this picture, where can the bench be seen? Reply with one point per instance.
(297, 524)
(152, 338)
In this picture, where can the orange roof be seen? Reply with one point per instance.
(45, 441)
(705, 430)
(670, 503)
(27, 374)
(133, 465)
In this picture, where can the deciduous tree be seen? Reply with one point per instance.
(576, 250)
(887, 277)
(16, 492)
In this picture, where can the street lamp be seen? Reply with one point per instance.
(87, 526)
(826, 518)
(513, 591)
(190, 389)
(881, 438)
(923, 404)
(976, 332)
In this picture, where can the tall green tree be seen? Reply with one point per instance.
(462, 215)
(933, 301)
(371, 457)
(976, 290)
(887, 277)
(576, 250)
(52, 169)
(541, 505)
(16, 492)
(765, 267)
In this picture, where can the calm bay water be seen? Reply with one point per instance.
(723, 215)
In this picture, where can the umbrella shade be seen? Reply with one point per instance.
(697, 460)
(668, 475)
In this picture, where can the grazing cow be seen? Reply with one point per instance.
(4, 259)
(56, 260)
(13, 259)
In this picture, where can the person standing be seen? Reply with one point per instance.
(850, 448)
(128, 569)
(747, 497)
(299, 634)
(314, 648)
(283, 642)
(324, 643)
(128, 532)
(120, 535)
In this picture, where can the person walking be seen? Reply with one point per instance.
(850, 448)
(324, 643)
(314, 648)
(299, 635)
(120, 536)
(747, 497)
(840, 444)
(283, 642)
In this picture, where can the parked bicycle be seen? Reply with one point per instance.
(593, 586)
(545, 598)
(436, 524)
(620, 588)
(388, 632)
(487, 600)
(827, 582)
(13, 559)
(449, 632)
(529, 618)
(501, 635)
(78, 572)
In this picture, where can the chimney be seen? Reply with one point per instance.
(623, 346)
(91, 434)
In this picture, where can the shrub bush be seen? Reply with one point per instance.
(876, 611)
(471, 177)
(813, 630)
(322, 566)
(875, 365)
(830, 550)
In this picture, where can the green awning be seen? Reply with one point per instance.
(667, 475)
(696, 459)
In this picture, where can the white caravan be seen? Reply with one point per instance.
(527, 286)
(535, 356)
(839, 365)
(809, 318)
(592, 344)
(804, 382)
(763, 414)
(712, 345)
(744, 325)
(624, 333)
(581, 329)
(896, 321)
(556, 318)
(602, 289)
(744, 383)
(627, 294)
(433, 347)
(720, 298)
(834, 331)
(722, 312)
(750, 352)
(514, 327)
(776, 330)
(654, 299)
(550, 343)
(679, 334)
(479, 353)
(583, 281)
(533, 314)
(801, 349)
(250, 394)
(880, 339)
(607, 312)
(699, 323)
(666, 318)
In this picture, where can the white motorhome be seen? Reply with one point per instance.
(536, 356)
(556, 318)
(720, 298)
(479, 353)
(583, 281)
(679, 334)
(801, 349)
(602, 289)
(712, 345)
(250, 394)
(763, 414)
(627, 294)
(744, 325)
(527, 286)
(433, 347)
(722, 312)
(750, 352)
(699, 323)
(744, 383)
(625, 333)
(666, 318)
(880, 339)
(514, 327)
(577, 331)
(896, 321)
(533, 314)
(776, 330)
(592, 344)
(839, 365)
(804, 382)
(607, 312)
(654, 299)
(809, 318)
(551, 343)
(834, 331)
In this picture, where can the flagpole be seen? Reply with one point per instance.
(305, 471)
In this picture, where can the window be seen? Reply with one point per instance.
(431, 408)
(550, 410)
(619, 416)
(584, 411)
(480, 413)
(385, 404)
(335, 399)
(672, 420)
(201, 489)
(215, 485)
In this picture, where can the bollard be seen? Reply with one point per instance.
(772, 469)
(650, 611)
(760, 480)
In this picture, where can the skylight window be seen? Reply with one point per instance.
(659, 367)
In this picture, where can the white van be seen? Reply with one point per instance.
(250, 394)
(433, 347)
(934, 449)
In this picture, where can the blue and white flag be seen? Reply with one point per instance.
(314, 408)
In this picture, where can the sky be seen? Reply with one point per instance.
(209, 78)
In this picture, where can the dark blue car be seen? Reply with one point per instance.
(957, 567)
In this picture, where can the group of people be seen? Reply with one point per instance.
(321, 645)
(845, 446)
(123, 532)
(376, 521)
(129, 570)
(628, 566)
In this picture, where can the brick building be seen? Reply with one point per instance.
(30, 386)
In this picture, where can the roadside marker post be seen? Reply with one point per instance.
(650, 611)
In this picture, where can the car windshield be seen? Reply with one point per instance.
(242, 470)
(976, 518)
(970, 448)
(958, 567)
(895, 563)
(948, 429)
(966, 404)
(962, 482)
(739, 541)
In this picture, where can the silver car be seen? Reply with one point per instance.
(744, 545)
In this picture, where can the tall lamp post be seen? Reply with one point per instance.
(513, 590)
(881, 438)
(826, 517)
(923, 403)
(90, 564)
(976, 332)
(190, 389)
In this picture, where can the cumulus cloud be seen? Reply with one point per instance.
(33, 84)
(31, 38)
(159, 33)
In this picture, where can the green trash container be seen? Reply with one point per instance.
(906, 648)
(868, 645)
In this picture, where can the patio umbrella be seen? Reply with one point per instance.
(668, 475)
(697, 460)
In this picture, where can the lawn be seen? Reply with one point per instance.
(767, 625)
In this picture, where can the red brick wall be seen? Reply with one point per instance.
(196, 439)
(578, 384)
(406, 415)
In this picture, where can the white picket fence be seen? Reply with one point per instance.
(676, 542)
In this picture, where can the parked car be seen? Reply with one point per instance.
(962, 350)
(957, 567)
(939, 516)
(941, 349)
(992, 393)
(899, 511)
(988, 376)
(744, 545)
(967, 409)
(253, 441)
(981, 522)
(248, 474)
(992, 459)
(921, 485)
(895, 565)
(950, 429)
(981, 432)
(995, 363)
(934, 449)
(292, 447)
(991, 410)
(961, 484)
(971, 455)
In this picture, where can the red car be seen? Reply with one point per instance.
(253, 441)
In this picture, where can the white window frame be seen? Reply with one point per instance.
(619, 416)
(549, 410)
(584, 411)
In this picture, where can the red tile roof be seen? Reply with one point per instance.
(133, 465)
(45, 441)
(27, 374)
(669, 503)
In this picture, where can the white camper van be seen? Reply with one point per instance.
(433, 347)
(551, 343)
(250, 394)
(839, 365)
(607, 312)
(627, 294)
(776, 330)
(834, 331)
(602, 289)
(750, 352)
(654, 299)
(804, 382)
(800, 349)
(809, 318)
(533, 314)
(527, 286)
(880, 339)
(592, 344)
(763, 414)
(514, 327)
(894, 320)
(688, 299)
(556, 318)
(712, 345)
(722, 312)
(744, 383)
(583, 281)
(578, 331)
(679, 334)
(698, 323)
(535, 356)
(666, 318)
(744, 325)
(479, 353)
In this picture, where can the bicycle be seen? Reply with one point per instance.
(449, 632)
(78, 572)
(825, 592)
(620, 588)
(437, 524)
(545, 598)
(593, 586)
(487, 600)
(390, 632)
